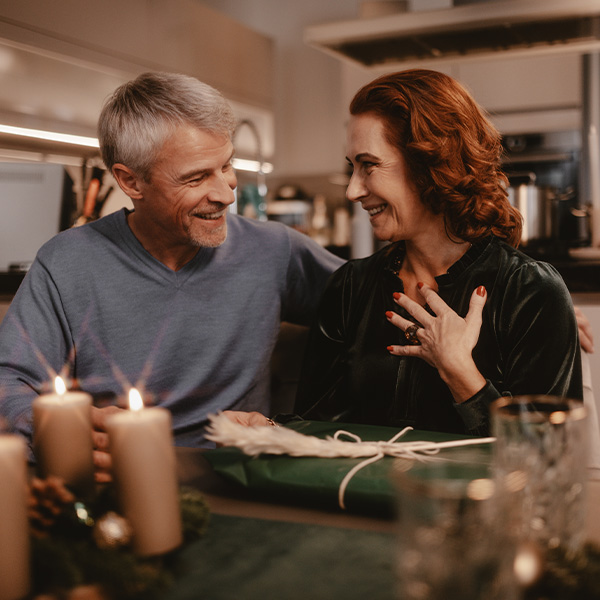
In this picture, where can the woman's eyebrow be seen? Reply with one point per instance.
(366, 156)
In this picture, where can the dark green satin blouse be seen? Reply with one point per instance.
(528, 342)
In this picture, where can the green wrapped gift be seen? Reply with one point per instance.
(316, 481)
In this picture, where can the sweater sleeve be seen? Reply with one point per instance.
(34, 346)
(309, 267)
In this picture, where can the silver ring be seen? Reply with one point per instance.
(410, 333)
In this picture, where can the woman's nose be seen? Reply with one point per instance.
(356, 188)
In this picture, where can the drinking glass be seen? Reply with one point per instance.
(451, 541)
(540, 466)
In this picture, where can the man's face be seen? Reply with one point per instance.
(190, 187)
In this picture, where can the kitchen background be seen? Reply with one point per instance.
(290, 69)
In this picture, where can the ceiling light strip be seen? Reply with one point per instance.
(52, 136)
(79, 140)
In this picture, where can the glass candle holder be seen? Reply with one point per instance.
(540, 466)
(451, 541)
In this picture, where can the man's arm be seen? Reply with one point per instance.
(309, 268)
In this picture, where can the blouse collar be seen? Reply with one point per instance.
(397, 250)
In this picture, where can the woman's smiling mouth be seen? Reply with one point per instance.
(376, 210)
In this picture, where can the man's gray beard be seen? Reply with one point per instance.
(203, 243)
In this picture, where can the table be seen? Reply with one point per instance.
(256, 549)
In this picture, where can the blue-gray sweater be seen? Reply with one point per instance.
(196, 341)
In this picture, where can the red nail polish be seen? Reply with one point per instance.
(397, 295)
(481, 291)
(420, 284)
(389, 314)
(390, 348)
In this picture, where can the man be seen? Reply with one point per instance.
(179, 297)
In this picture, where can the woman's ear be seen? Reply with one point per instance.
(128, 181)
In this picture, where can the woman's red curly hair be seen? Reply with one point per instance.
(451, 149)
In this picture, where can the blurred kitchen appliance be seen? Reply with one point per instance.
(535, 203)
(543, 172)
(293, 213)
(36, 202)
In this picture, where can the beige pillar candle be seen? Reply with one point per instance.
(14, 527)
(145, 474)
(62, 437)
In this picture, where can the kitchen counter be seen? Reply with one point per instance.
(579, 275)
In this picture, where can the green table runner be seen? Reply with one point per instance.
(255, 559)
(316, 481)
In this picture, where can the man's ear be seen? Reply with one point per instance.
(128, 181)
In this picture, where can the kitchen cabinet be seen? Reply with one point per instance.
(175, 35)
(60, 59)
(524, 84)
(529, 94)
(534, 94)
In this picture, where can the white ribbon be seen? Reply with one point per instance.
(256, 440)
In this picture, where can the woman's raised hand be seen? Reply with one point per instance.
(445, 340)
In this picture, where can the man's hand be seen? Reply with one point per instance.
(102, 459)
(248, 419)
(586, 337)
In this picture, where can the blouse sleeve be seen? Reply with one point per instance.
(321, 391)
(537, 335)
(536, 341)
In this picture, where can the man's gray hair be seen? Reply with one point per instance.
(139, 117)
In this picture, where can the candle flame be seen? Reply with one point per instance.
(135, 400)
(59, 385)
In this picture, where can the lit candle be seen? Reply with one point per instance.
(62, 437)
(145, 474)
(14, 530)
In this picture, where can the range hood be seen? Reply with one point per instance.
(466, 32)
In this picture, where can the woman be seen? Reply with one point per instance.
(449, 316)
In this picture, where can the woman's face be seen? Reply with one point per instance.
(381, 184)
